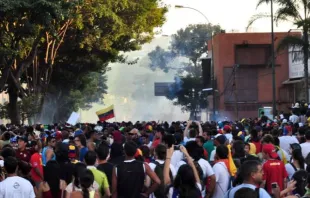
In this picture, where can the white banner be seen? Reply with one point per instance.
(73, 118)
(296, 63)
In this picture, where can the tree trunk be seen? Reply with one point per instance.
(13, 109)
(306, 57)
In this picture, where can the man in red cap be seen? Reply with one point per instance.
(274, 169)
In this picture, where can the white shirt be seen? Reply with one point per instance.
(231, 193)
(294, 119)
(305, 149)
(186, 139)
(229, 137)
(285, 142)
(290, 170)
(222, 178)
(16, 187)
(176, 157)
(172, 168)
(212, 156)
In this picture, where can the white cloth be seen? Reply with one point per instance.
(212, 156)
(186, 139)
(222, 178)
(176, 157)
(305, 149)
(231, 193)
(294, 118)
(172, 168)
(285, 142)
(229, 137)
(16, 187)
(170, 193)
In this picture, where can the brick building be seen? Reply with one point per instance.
(242, 64)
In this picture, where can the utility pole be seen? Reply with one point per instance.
(235, 91)
(274, 106)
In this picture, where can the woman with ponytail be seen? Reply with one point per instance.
(80, 187)
(297, 163)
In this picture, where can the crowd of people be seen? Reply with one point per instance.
(246, 158)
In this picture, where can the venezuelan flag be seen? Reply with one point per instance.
(106, 113)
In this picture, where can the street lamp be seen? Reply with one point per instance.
(212, 65)
(274, 107)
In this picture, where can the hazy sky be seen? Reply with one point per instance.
(131, 88)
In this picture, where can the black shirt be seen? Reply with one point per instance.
(107, 168)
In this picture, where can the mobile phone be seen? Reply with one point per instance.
(274, 185)
(177, 147)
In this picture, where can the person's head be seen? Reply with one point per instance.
(23, 168)
(200, 140)
(145, 139)
(80, 141)
(92, 135)
(178, 138)
(227, 129)
(301, 178)
(103, 151)
(161, 152)
(238, 149)
(130, 149)
(267, 139)
(22, 142)
(251, 171)
(10, 165)
(269, 152)
(221, 152)
(51, 141)
(6, 136)
(38, 146)
(192, 133)
(307, 135)
(160, 132)
(146, 152)
(297, 156)
(247, 148)
(90, 158)
(245, 193)
(78, 168)
(185, 182)
(51, 175)
(61, 152)
(220, 140)
(117, 150)
(8, 152)
(194, 150)
(86, 178)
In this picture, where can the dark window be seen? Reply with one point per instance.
(253, 55)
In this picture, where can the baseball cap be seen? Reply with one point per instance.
(270, 150)
(24, 138)
(227, 128)
(78, 132)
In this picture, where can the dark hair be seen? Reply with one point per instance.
(168, 139)
(245, 193)
(247, 168)
(161, 151)
(103, 151)
(178, 138)
(24, 168)
(222, 152)
(8, 152)
(307, 135)
(268, 139)
(297, 155)
(301, 177)
(117, 150)
(82, 139)
(130, 148)
(90, 158)
(7, 136)
(10, 164)
(52, 176)
(49, 138)
(86, 178)
(276, 141)
(78, 168)
(185, 182)
(254, 133)
(202, 140)
(192, 133)
(194, 150)
(238, 146)
(61, 152)
(145, 151)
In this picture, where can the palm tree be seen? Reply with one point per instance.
(297, 12)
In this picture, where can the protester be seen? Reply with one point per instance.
(103, 165)
(36, 164)
(48, 151)
(22, 153)
(305, 147)
(14, 186)
(80, 143)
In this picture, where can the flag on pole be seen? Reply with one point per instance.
(105, 114)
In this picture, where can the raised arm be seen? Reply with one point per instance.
(191, 163)
(199, 128)
(189, 123)
(167, 178)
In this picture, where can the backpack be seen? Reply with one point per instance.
(200, 173)
(161, 191)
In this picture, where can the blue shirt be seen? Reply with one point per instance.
(231, 193)
(83, 152)
(44, 156)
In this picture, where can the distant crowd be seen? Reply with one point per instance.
(260, 157)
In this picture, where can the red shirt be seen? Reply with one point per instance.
(258, 146)
(155, 143)
(36, 162)
(274, 171)
(23, 155)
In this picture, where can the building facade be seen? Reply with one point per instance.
(243, 74)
